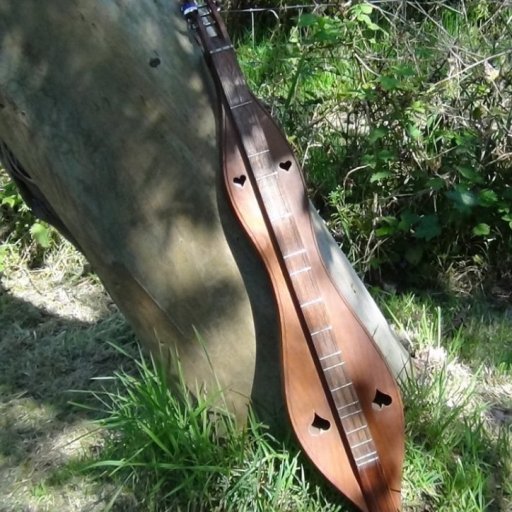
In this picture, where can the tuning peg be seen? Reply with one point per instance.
(188, 8)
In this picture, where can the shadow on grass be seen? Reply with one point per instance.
(458, 410)
(43, 358)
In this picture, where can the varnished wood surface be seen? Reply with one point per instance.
(305, 392)
(343, 401)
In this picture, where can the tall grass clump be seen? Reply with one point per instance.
(457, 455)
(171, 450)
(167, 449)
(401, 113)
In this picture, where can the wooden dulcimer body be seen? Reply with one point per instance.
(342, 400)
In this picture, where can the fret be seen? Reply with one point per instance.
(242, 104)
(311, 302)
(371, 454)
(294, 253)
(347, 405)
(340, 387)
(316, 318)
(321, 331)
(269, 175)
(362, 443)
(336, 366)
(356, 430)
(300, 271)
(351, 414)
(338, 353)
(367, 462)
(221, 49)
(260, 153)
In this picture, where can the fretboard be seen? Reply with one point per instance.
(265, 171)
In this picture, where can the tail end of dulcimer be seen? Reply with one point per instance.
(350, 424)
(343, 401)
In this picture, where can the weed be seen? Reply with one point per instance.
(401, 115)
(177, 451)
(20, 231)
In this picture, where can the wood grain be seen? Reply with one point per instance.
(342, 399)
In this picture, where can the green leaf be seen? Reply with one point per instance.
(507, 217)
(487, 197)
(414, 254)
(377, 133)
(469, 173)
(10, 201)
(41, 234)
(389, 83)
(307, 20)
(413, 131)
(369, 160)
(363, 8)
(389, 226)
(481, 229)
(364, 18)
(436, 183)
(407, 220)
(386, 155)
(379, 176)
(428, 227)
(384, 231)
(463, 198)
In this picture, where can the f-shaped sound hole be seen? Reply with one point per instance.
(239, 181)
(286, 165)
(319, 425)
(381, 400)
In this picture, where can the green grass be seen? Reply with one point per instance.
(172, 451)
(143, 446)
(55, 322)
(175, 451)
(459, 450)
(154, 448)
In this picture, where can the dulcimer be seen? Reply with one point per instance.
(342, 400)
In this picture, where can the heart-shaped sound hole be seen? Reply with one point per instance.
(239, 181)
(319, 426)
(285, 165)
(381, 400)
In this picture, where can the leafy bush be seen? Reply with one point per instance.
(402, 117)
(17, 224)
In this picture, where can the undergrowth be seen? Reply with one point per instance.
(20, 231)
(400, 112)
(175, 451)
(170, 450)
